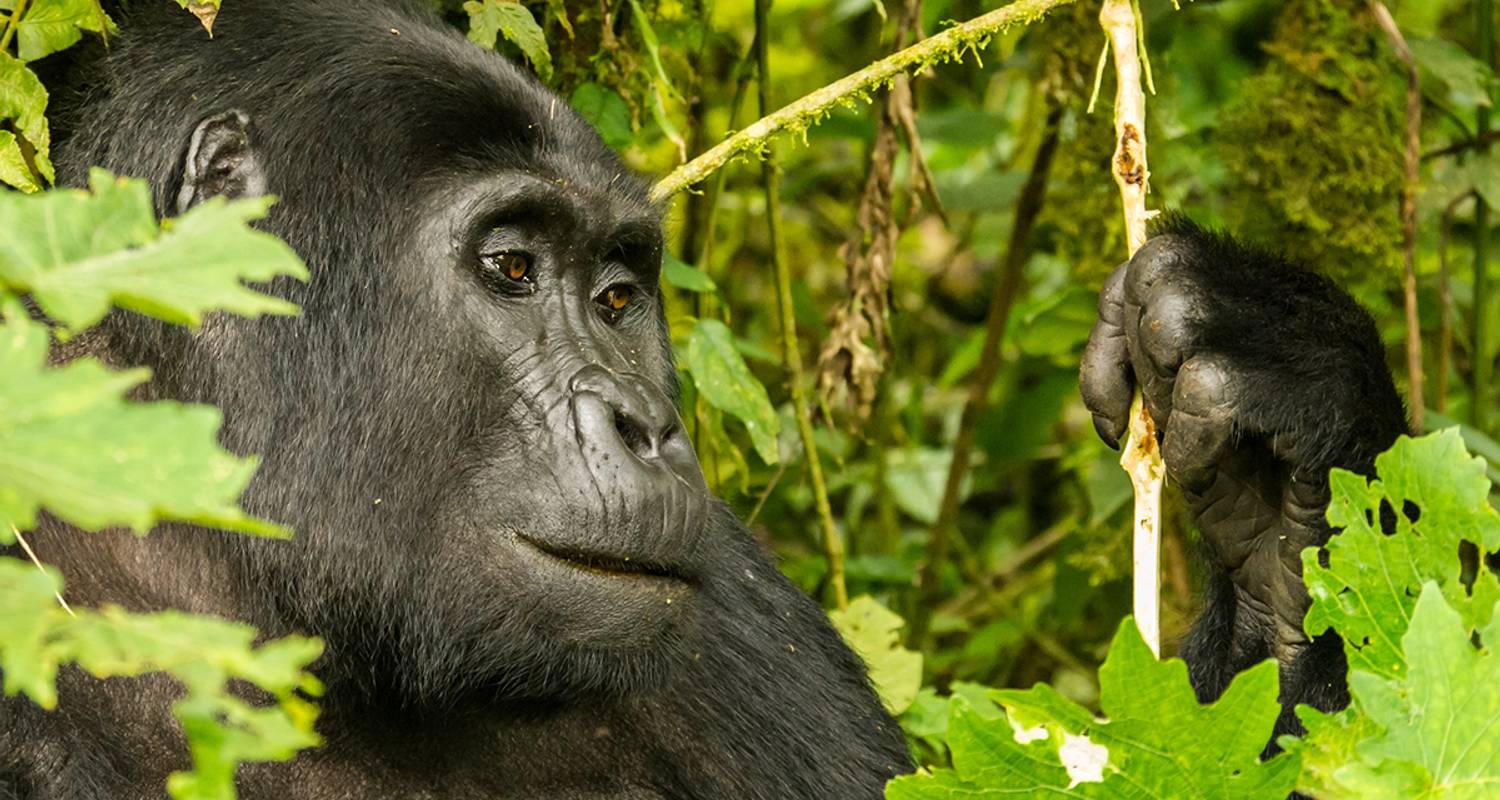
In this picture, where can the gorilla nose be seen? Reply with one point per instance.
(626, 410)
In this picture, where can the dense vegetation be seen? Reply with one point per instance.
(892, 234)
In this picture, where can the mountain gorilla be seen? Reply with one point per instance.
(503, 535)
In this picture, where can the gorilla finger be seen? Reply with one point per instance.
(1104, 378)
(1170, 319)
(1199, 431)
(1157, 257)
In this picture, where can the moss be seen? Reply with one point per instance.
(1314, 143)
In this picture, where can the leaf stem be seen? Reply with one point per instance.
(12, 25)
(833, 545)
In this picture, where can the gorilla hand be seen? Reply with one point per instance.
(1260, 377)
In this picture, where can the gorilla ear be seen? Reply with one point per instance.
(220, 161)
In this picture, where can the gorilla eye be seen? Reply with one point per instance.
(515, 267)
(614, 300)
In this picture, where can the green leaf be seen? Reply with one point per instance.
(606, 111)
(491, 18)
(1370, 585)
(874, 632)
(70, 442)
(23, 102)
(685, 276)
(1432, 732)
(1447, 66)
(1485, 170)
(722, 378)
(77, 253)
(1157, 741)
(56, 25)
(204, 654)
(13, 169)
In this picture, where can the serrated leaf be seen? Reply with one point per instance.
(204, 654)
(490, 19)
(1157, 741)
(685, 276)
(56, 25)
(77, 253)
(606, 111)
(1370, 585)
(70, 442)
(720, 373)
(874, 633)
(23, 102)
(1434, 731)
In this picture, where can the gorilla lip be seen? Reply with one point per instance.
(603, 564)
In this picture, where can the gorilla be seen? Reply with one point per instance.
(1261, 377)
(504, 538)
(503, 535)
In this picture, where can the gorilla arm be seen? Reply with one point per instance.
(1261, 378)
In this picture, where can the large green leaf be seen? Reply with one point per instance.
(23, 102)
(606, 111)
(204, 654)
(1156, 740)
(873, 631)
(53, 25)
(77, 253)
(490, 19)
(1371, 581)
(70, 442)
(720, 373)
(1451, 74)
(1433, 732)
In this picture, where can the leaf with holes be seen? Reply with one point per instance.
(720, 373)
(1372, 580)
(1157, 741)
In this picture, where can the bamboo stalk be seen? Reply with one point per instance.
(1141, 456)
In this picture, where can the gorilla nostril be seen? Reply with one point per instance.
(634, 435)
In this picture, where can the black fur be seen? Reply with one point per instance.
(1261, 377)
(417, 422)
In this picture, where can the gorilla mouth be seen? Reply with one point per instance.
(604, 564)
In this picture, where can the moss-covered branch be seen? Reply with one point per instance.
(798, 116)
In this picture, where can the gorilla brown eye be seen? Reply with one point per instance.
(512, 266)
(615, 299)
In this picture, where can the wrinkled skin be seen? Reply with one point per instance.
(503, 536)
(1261, 377)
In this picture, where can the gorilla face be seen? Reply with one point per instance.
(472, 425)
(586, 501)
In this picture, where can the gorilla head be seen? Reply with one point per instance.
(471, 426)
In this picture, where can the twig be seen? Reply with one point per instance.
(1458, 147)
(31, 554)
(1141, 456)
(833, 545)
(1007, 286)
(1409, 208)
(950, 44)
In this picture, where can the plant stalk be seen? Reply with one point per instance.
(833, 545)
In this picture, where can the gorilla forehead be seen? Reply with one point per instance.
(393, 97)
